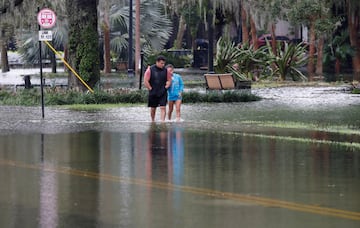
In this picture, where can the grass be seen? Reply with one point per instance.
(95, 107)
(350, 145)
(305, 126)
(32, 97)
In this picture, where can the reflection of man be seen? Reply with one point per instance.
(157, 80)
(157, 160)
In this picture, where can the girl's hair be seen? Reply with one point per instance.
(170, 66)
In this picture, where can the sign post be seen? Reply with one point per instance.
(46, 19)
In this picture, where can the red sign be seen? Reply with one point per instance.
(46, 18)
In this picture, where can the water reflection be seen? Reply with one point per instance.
(165, 153)
(141, 179)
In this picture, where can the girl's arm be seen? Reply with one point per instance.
(181, 84)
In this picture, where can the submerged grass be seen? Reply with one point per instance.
(306, 126)
(350, 145)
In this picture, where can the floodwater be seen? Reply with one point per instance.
(289, 160)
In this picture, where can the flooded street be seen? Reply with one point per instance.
(289, 160)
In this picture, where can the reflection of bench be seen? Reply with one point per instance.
(219, 81)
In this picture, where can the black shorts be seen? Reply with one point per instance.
(155, 101)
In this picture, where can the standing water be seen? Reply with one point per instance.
(290, 160)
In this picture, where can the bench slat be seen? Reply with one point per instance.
(227, 81)
(219, 81)
(212, 81)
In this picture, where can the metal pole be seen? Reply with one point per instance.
(211, 39)
(141, 68)
(41, 78)
(130, 55)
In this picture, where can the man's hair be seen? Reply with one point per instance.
(160, 58)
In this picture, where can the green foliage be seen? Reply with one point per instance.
(192, 16)
(155, 27)
(287, 60)
(251, 61)
(177, 62)
(306, 12)
(242, 61)
(217, 97)
(226, 55)
(355, 91)
(88, 55)
(25, 97)
(338, 48)
(32, 97)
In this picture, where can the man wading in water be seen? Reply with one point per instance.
(157, 80)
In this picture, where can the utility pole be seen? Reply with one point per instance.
(130, 55)
(137, 37)
(210, 15)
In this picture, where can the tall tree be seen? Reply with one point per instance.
(353, 17)
(105, 27)
(308, 12)
(7, 17)
(83, 42)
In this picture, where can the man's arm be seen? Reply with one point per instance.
(147, 79)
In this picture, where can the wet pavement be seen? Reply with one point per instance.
(289, 160)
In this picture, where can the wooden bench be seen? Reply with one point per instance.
(219, 81)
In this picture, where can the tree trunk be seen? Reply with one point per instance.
(83, 42)
(311, 65)
(354, 27)
(53, 62)
(253, 33)
(337, 66)
(4, 57)
(107, 56)
(320, 54)
(180, 33)
(244, 27)
(273, 40)
(66, 57)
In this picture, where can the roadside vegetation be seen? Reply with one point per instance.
(32, 97)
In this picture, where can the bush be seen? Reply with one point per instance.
(217, 97)
(33, 97)
(192, 97)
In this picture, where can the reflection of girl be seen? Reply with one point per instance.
(174, 92)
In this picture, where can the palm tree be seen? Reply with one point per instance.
(155, 27)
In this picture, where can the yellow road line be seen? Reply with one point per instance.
(68, 66)
(268, 202)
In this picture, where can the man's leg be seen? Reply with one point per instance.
(162, 113)
(152, 113)
(171, 108)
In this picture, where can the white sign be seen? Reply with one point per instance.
(45, 35)
(46, 18)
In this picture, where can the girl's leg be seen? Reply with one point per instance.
(177, 106)
(171, 108)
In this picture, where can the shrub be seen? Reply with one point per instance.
(33, 97)
(192, 97)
